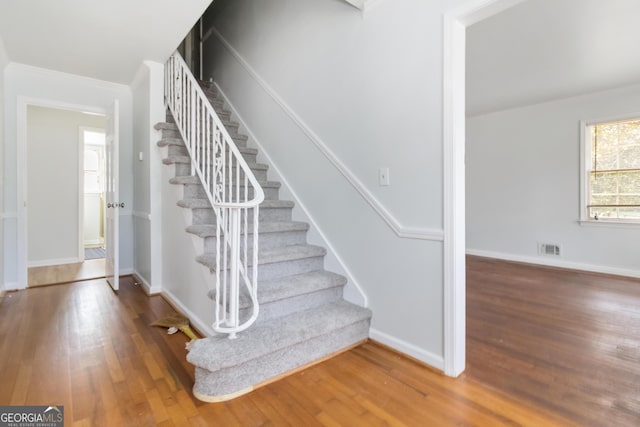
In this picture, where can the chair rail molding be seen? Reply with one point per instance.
(398, 228)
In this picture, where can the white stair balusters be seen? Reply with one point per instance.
(232, 189)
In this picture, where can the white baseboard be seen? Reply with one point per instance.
(408, 349)
(50, 262)
(193, 319)
(93, 243)
(126, 271)
(555, 262)
(148, 288)
(12, 286)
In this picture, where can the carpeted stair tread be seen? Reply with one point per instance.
(273, 255)
(165, 126)
(209, 230)
(172, 160)
(192, 179)
(184, 180)
(166, 141)
(290, 286)
(219, 352)
(204, 203)
(174, 127)
(230, 123)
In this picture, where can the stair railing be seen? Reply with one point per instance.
(232, 190)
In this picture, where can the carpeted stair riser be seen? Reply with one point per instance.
(231, 126)
(181, 169)
(197, 191)
(177, 148)
(223, 384)
(285, 296)
(259, 170)
(273, 347)
(266, 240)
(271, 234)
(284, 307)
(169, 130)
(177, 151)
(206, 215)
(271, 189)
(277, 301)
(277, 270)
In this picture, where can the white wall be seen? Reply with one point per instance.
(148, 109)
(184, 281)
(53, 185)
(523, 171)
(332, 96)
(4, 60)
(29, 85)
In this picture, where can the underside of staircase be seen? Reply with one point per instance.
(303, 317)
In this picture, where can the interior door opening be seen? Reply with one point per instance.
(93, 171)
(60, 142)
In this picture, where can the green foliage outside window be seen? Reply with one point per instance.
(615, 171)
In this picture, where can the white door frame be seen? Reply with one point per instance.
(454, 50)
(21, 112)
(112, 197)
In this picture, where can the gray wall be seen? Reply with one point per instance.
(523, 171)
(53, 185)
(333, 95)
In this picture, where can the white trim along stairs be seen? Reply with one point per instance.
(303, 317)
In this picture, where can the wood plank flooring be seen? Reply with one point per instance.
(566, 340)
(65, 273)
(84, 347)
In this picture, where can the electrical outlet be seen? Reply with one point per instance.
(383, 177)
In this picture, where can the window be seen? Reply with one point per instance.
(611, 179)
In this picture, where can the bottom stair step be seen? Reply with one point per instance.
(228, 368)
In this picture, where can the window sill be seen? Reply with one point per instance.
(632, 225)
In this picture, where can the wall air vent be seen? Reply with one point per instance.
(548, 249)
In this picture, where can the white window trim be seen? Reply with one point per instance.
(585, 159)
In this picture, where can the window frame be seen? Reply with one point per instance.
(585, 171)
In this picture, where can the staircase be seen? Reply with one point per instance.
(303, 317)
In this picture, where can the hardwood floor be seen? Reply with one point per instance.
(84, 347)
(65, 273)
(566, 340)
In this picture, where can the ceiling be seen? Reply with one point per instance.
(106, 40)
(541, 50)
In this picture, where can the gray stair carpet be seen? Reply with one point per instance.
(303, 317)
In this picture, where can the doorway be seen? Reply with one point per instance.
(92, 192)
(55, 157)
